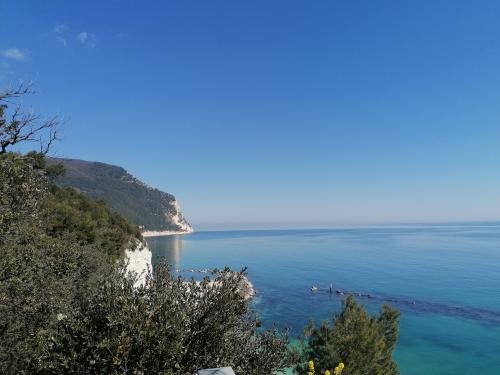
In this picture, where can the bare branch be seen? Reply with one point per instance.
(46, 145)
(22, 127)
(23, 88)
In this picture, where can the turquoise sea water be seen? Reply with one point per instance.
(444, 279)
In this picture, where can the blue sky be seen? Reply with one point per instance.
(276, 113)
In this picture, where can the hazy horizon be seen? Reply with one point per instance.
(261, 226)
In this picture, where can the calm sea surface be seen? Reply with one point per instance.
(444, 279)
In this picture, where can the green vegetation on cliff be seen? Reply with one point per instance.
(123, 193)
(91, 222)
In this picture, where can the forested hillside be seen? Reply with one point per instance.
(89, 220)
(125, 194)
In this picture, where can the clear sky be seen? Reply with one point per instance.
(268, 113)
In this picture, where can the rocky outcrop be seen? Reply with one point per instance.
(138, 260)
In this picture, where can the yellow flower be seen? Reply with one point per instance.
(327, 372)
(338, 369)
(311, 366)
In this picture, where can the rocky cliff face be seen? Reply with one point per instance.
(138, 259)
(150, 208)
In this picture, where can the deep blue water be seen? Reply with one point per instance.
(444, 279)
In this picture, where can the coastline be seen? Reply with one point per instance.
(161, 233)
(138, 259)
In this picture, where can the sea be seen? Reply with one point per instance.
(445, 280)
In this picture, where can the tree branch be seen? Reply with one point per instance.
(24, 127)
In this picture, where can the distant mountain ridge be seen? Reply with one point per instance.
(140, 204)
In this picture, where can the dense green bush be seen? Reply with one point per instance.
(22, 189)
(40, 273)
(363, 343)
(168, 326)
(92, 222)
(40, 279)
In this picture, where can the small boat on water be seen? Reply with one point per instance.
(314, 289)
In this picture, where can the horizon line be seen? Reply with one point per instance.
(275, 226)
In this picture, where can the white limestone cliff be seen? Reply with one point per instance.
(139, 261)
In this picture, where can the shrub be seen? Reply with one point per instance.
(362, 342)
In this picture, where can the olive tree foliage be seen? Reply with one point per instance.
(364, 343)
(64, 310)
(40, 277)
(168, 326)
(21, 191)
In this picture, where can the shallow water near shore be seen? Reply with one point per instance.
(444, 279)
